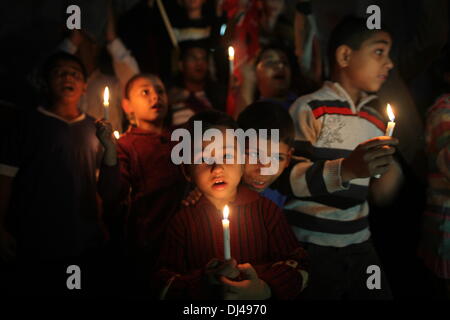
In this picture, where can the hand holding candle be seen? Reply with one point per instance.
(106, 103)
(226, 233)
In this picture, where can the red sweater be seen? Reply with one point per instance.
(146, 174)
(259, 234)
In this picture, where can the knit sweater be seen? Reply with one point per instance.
(328, 126)
(259, 234)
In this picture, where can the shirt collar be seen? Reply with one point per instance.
(48, 113)
(342, 93)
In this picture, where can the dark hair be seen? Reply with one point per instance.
(51, 62)
(268, 115)
(133, 79)
(185, 46)
(211, 119)
(279, 48)
(351, 31)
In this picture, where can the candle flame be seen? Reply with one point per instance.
(116, 134)
(390, 113)
(231, 53)
(226, 211)
(106, 97)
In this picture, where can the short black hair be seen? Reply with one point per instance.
(279, 48)
(268, 115)
(211, 119)
(351, 31)
(133, 79)
(185, 46)
(52, 60)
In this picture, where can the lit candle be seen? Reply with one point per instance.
(226, 233)
(391, 123)
(106, 103)
(231, 59)
(390, 126)
(117, 134)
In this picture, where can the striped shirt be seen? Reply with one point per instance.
(328, 126)
(434, 247)
(259, 234)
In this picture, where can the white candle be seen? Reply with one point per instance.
(391, 123)
(116, 134)
(106, 103)
(390, 126)
(231, 59)
(226, 233)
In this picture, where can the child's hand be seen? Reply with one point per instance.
(192, 198)
(251, 288)
(7, 246)
(105, 133)
(215, 269)
(370, 158)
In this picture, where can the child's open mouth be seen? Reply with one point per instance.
(259, 184)
(68, 87)
(219, 184)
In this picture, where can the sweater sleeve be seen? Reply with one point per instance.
(171, 280)
(287, 272)
(308, 177)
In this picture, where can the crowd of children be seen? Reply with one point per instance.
(71, 192)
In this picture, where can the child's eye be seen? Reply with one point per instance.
(379, 52)
(208, 160)
(145, 92)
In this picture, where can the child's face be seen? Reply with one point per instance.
(252, 172)
(147, 100)
(368, 67)
(195, 64)
(67, 81)
(273, 74)
(218, 182)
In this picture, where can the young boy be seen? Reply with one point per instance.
(271, 263)
(265, 115)
(268, 115)
(48, 163)
(146, 175)
(344, 139)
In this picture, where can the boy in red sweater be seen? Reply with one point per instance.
(144, 177)
(270, 261)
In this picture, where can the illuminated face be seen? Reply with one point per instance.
(67, 81)
(369, 66)
(218, 182)
(273, 74)
(252, 172)
(145, 102)
(195, 65)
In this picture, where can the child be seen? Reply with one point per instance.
(49, 212)
(267, 115)
(435, 245)
(344, 140)
(145, 171)
(271, 263)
